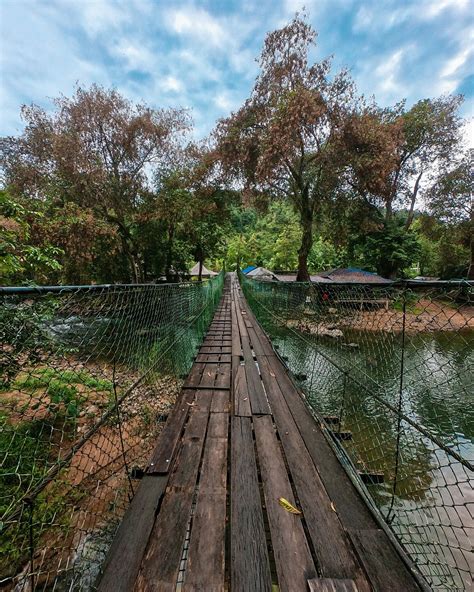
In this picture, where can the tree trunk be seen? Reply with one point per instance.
(200, 269)
(306, 221)
(470, 271)
(412, 202)
(169, 254)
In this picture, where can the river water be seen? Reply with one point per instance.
(426, 495)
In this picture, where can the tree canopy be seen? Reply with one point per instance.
(305, 175)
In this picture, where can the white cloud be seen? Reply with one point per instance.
(197, 23)
(136, 56)
(387, 73)
(223, 102)
(172, 84)
(363, 19)
(452, 65)
(433, 8)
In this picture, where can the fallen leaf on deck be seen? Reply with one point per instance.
(287, 506)
(333, 507)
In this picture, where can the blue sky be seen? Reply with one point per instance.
(201, 55)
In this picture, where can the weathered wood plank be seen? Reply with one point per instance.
(293, 560)
(205, 567)
(351, 508)
(220, 402)
(241, 393)
(333, 550)
(162, 457)
(218, 425)
(125, 555)
(223, 376)
(250, 569)
(160, 565)
(194, 376)
(258, 400)
(384, 567)
(331, 585)
(236, 347)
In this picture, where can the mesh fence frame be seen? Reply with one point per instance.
(388, 369)
(88, 375)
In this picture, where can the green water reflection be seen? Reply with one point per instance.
(432, 511)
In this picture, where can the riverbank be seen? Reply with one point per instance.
(428, 316)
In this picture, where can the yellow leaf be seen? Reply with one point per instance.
(333, 507)
(288, 507)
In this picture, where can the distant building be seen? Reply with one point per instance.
(206, 273)
(349, 275)
(260, 273)
(249, 268)
(339, 275)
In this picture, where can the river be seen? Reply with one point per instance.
(426, 494)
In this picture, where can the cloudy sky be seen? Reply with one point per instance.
(201, 55)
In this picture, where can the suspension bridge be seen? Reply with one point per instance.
(159, 438)
(207, 513)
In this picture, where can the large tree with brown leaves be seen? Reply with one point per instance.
(282, 140)
(97, 150)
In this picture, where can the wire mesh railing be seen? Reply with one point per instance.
(389, 370)
(87, 376)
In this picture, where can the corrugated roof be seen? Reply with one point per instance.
(249, 268)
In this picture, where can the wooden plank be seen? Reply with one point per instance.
(215, 350)
(236, 347)
(194, 375)
(258, 400)
(218, 425)
(205, 570)
(293, 560)
(160, 565)
(208, 377)
(220, 402)
(125, 555)
(260, 342)
(203, 400)
(163, 454)
(240, 320)
(250, 569)
(223, 377)
(332, 585)
(382, 563)
(351, 507)
(333, 550)
(241, 394)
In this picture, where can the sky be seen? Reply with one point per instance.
(201, 55)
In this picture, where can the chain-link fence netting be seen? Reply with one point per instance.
(88, 375)
(389, 370)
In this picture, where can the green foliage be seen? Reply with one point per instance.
(324, 255)
(20, 259)
(23, 336)
(60, 388)
(389, 250)
(30, 441)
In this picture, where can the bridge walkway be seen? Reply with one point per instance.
(207, 516)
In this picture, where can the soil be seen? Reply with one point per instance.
(95, 488)
(427, 316)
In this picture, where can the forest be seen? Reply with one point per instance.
(306, 175)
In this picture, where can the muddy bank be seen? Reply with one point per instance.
(428, 316)
(93, 491)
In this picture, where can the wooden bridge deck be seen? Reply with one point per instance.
(206, 515)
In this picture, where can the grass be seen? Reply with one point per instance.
(61, 386)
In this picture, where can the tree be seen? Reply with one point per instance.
(95, 150)
(20, 259)
(450, 199)
(282, 140)
(393, 154)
